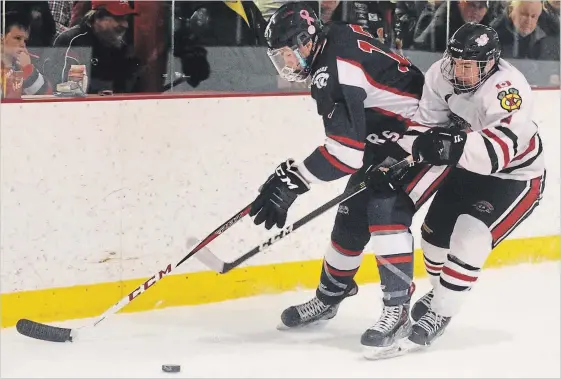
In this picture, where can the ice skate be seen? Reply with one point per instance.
(380, 341)
(311, 312)
(429, 328)
(424, 332)
(421, 306)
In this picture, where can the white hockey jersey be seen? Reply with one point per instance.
(502, 140)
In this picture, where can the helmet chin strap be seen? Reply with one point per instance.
(318, 45)
(301, 60)
(306, 63)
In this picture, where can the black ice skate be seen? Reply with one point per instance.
(424, 332)
(312, 312)
(428, 328)
(380, 341)
(421, 306)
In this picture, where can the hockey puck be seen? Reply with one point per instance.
(171, 368)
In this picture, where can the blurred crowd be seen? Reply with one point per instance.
(75, 48)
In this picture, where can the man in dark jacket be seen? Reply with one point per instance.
(99, 43)
(376, 16)
(549, 19)
(522, 37)
(434, 37)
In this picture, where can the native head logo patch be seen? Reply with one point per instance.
(510, 99)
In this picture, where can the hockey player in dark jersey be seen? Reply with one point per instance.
(366, 96)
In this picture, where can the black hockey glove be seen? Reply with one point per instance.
(277, 195)
(385, 178)
(380, 183)
(439, 146)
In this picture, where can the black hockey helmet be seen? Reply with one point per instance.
(472, 42)
(293, 25)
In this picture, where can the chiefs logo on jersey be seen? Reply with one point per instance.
(510, 99)
(320, 77)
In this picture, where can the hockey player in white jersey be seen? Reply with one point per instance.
(478, 110)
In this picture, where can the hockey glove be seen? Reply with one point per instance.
(380, 183)
(277, 195)
(439, 146)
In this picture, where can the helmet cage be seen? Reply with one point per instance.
(291, 74)
(448, 70)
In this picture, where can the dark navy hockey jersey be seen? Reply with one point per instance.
(366, 95)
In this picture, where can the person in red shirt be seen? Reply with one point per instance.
(18, 73)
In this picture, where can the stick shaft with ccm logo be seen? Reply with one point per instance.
(50, 333)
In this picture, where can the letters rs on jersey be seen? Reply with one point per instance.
(504, 141)
(366, 95)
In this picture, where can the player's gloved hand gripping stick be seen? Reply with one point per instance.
(216, 264)
(55, 334)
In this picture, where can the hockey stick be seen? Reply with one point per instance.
(55, 334)
(209, 259)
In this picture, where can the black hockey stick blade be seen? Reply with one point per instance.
(43, 332)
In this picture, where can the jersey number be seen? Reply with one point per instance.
(402, 62)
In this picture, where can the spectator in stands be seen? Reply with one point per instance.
(222, 23)
(407, 19)
(18, 72)
(152, 26)
(376, 16)
(521, 36)
(42, 27)
(326, 9)
(202, 24)
(61, 11)
(79, 10)
(268, 7)
(98, 42)
(549, 19)
(499, 7)
(434, 36)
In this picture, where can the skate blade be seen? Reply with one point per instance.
(374, 353)
(407, 346)
(385, 352)
(315, 325)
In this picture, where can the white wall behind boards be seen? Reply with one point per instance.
(102, 191)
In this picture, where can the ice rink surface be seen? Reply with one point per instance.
(509, 327)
